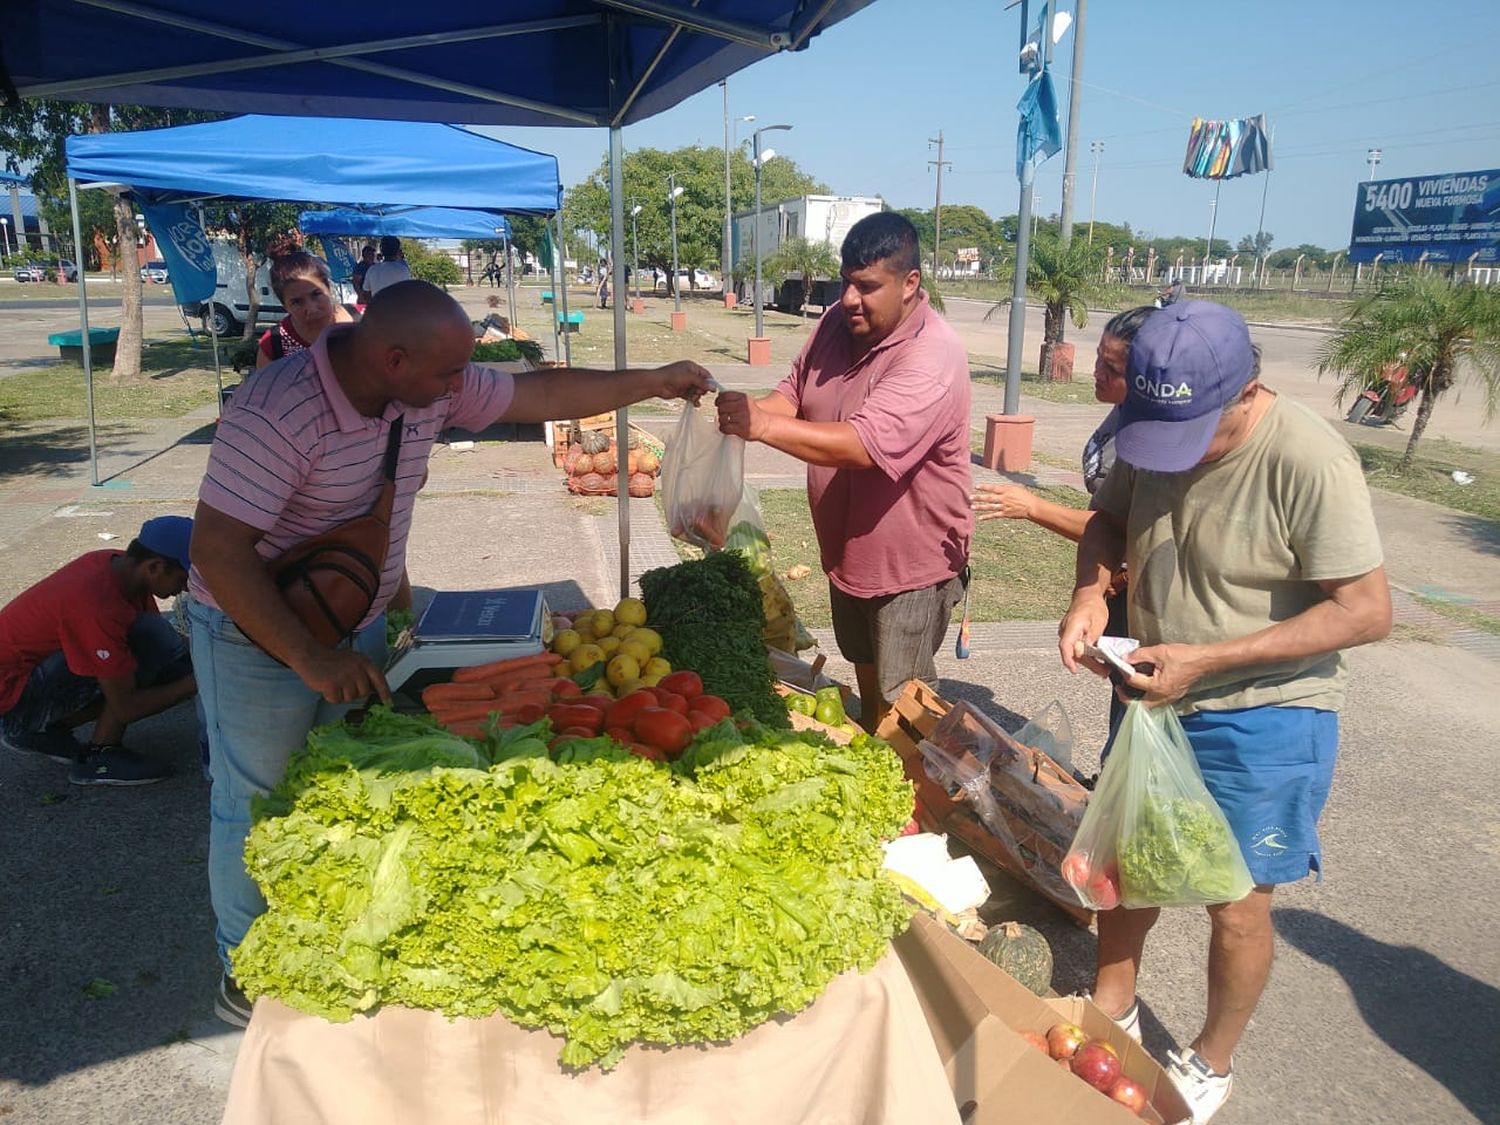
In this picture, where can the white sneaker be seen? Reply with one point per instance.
(1204, 1091)
(1128, 1021)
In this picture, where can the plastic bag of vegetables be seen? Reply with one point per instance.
(1153, 835)
(747, 535)
(702, 477)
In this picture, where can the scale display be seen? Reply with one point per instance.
(463, 627)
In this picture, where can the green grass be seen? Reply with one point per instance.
(175, 378)
(1461, 614)
(1021, 572)
(1430, 477)
(990, 371)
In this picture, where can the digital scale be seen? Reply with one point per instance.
(464, 627)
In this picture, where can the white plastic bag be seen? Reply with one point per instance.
(702, 478)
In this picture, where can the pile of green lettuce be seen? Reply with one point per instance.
(610, 900)
(1179, 852)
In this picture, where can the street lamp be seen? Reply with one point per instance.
(635, 250)
(1096, 147)
(5, 227)
(1373, 156)
(760, 160)
(726, 266)
(673, 192)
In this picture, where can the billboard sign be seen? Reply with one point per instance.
(1450, 218)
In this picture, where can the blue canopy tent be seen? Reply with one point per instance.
(599, 63)
(257, 157)
(415, 222)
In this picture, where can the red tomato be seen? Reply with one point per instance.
(576, 715)
(672, 701)
(575, 732)
(1075, 869)
(623, 735)
(689, 685)
(665, 729)
(701, 720)
(650, 753)
(710, 705)
(530, 713)
(623, 711)
(564, 689)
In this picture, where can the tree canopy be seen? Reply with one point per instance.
(700, 209)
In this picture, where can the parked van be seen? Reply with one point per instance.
(231, 303)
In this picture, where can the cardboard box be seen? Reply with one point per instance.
(976, 1013)
(912, 718)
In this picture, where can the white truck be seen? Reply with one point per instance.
(818, 218)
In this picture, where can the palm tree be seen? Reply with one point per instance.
(808, 260)
(1437, 329)
(1065, 279)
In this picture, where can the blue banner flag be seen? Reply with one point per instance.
(1039, 134)
(340, 261)
(185, 249)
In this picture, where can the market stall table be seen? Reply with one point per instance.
(862, 1053)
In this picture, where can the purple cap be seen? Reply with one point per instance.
(168, 536)
(1187, 363)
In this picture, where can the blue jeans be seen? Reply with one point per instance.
(54, 692)
(257, 712)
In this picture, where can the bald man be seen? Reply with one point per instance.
(298, 452)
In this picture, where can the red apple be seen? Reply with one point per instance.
(1037, 1040)
(1097, 1064)
(1064, 1039)
(1129, 1093)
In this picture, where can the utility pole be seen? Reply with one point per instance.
(725, 266)
(1096, 147)
(937, 210)
(1373, 156)
(1075, 96)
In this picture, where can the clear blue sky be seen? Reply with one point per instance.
(1334, 77)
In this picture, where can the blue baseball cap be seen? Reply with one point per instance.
(168, 536)
(1187, 363)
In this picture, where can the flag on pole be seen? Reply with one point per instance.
(544, 254)
(1039, 133)
(1222, 150)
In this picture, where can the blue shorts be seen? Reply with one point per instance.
(1270, 769)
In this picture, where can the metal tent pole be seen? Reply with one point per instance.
(1016, 330)
(83, 314)
(617, 283)
(510, 280)
(212, 323)
(561, 297)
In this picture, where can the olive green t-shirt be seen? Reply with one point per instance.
(1230, 547)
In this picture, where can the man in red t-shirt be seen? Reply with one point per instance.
(87, 643)
(877, 404)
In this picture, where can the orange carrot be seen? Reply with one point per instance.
(499, 667)
(510, 704)
(439, 694)
(459, 712)
(499, 681)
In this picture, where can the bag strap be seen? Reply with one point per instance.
(386, 501)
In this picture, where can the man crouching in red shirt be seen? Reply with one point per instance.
(86, 643)
(877, 404)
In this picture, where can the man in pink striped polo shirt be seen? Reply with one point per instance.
(298, 452)
(877, 405)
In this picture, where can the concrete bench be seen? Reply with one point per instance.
(570, 323)
(101, 345)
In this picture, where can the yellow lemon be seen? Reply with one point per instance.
(610, 645)
(650, 680)
(631, 611)
(648, 637)
(634, 648)
(585, 656)
(583, 625)
(657, 667)
(629, 686)
(622, 669)
(565, 642)
(622, 631)
(604, 621)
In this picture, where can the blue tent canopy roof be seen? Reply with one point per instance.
(524, 62)
(416, 222)
(322, 160)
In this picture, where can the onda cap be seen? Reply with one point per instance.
(1187, 363)
(168, 536)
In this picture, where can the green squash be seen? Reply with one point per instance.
(1022, 952)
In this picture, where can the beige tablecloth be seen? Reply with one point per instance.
(860, 1055)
